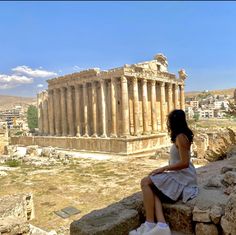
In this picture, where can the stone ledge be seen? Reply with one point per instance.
(210, 213)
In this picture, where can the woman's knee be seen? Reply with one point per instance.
(145, 182)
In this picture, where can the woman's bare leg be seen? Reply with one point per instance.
(158, 210)
(148, 199)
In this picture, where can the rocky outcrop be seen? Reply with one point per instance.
(216, 145)
(20, 206)
(228, 220)
(15, 212)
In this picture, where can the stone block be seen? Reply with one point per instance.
(14, 226)
(215, 181)
(20, 205)
(228, 220)
(206, 229)
(32, 150)
(230, 177)
(115, 219)
(215, 214)
(179, 216)
(201, 215)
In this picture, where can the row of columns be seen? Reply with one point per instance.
(56, 109)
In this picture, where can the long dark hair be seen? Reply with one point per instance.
(177, 124)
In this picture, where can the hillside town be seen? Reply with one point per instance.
(206, 105)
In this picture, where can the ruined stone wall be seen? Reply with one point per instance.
(15, 212)
(213, 146)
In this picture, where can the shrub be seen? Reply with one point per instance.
(13, 163)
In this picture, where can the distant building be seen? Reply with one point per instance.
(221, 104)
(207, 113)
(189, 112)
(194, 103)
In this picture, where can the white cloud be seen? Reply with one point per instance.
(23, 75)
(10, 81)
(34, 73)
(77, 68)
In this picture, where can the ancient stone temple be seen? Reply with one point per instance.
(121, 110)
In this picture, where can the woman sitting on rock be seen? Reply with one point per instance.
(170, 183)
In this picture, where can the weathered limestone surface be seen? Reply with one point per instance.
(228, 220)
(214, 145)
(206, 229)
(148, 144)
(20, 205)
(14, 226)
(117, 218)
(15, 211)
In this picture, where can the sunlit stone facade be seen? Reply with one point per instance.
(129, 104)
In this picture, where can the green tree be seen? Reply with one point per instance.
(196, 117)
(32, 117)
(232, 109)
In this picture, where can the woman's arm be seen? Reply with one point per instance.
(183, 147)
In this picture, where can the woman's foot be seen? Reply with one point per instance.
(159, 230)
(143, 229)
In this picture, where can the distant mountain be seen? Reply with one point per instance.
(8, 102)
(229, 91)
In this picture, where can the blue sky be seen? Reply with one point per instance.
(40, 40)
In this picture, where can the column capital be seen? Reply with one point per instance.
(77, 85)
(169, 85)
(162, 84)
(153, 82)
(144, 81)
(62, 88)
(135, 79)
(123, 79)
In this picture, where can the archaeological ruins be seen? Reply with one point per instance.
(121, 110)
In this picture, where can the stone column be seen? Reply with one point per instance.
(176, 100)
(94, 108)
(145, 112)
(57, 111)
(70, 113)
(125, 107)
(45, 114)
(51, 113)
(103, 111)
(162, 103)
(64, 111)
(153, 105)
(85, 97)
(170, 97)
(136, 107)
(182, 99)
(40, 113)
(113, 108)
(77, 109)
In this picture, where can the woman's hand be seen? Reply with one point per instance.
(159, 170)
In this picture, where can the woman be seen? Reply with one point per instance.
(175, 181)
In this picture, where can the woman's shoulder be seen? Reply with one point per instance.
(182, 138)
